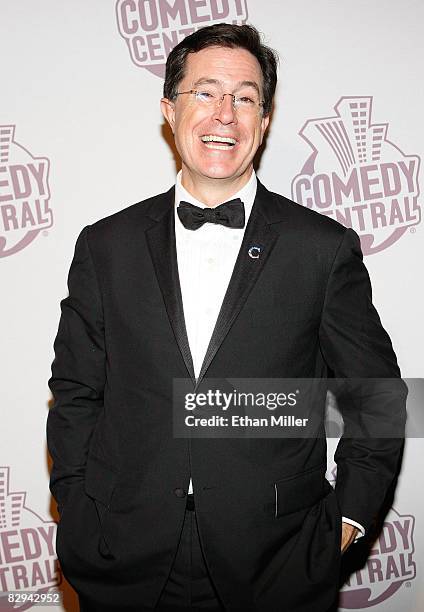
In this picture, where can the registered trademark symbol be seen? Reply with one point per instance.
(45, 233)
(413, 230)
(408, 585)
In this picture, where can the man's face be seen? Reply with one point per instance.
(222, 70)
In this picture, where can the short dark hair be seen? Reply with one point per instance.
(223, 35)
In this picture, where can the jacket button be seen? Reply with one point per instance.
(179, 492)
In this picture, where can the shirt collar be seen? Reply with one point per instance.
(246, 194)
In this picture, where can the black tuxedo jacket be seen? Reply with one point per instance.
(302, 309)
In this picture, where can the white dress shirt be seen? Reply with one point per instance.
(206, 258)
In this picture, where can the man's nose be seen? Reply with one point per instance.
(225, 111)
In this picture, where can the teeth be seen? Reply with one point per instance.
(210, 138)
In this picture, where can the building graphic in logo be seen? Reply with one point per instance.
(27, 547)
(24, 194)
(389, 566)
(152, 28)
(358, 177)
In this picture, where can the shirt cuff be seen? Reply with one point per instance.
(357, 525)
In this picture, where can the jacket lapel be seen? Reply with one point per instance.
(257, 244)
(161, 241)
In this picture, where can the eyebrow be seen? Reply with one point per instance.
(239, 84)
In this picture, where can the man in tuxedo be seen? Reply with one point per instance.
(218, 278)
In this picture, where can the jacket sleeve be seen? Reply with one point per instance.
(356, 348)
(78, 373)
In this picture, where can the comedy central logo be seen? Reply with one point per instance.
(152, 28)
(389, 566)
(27, 547)
(358, 177)
(24, 194)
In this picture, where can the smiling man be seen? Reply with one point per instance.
(218, 121)
(216, 277)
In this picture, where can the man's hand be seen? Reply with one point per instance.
(349, 533)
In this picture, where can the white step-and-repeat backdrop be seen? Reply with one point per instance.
(81, 136)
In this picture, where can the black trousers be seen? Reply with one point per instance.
(189, 587)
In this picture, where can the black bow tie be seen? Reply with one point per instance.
(230, 214)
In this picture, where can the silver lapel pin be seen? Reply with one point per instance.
(254, 252)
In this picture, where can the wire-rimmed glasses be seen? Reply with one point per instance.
(214, 98)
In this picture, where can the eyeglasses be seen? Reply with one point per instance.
(214, 99)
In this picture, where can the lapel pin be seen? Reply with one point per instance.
(254, 252)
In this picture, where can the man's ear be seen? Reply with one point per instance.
(168, 111)
(264, 126)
